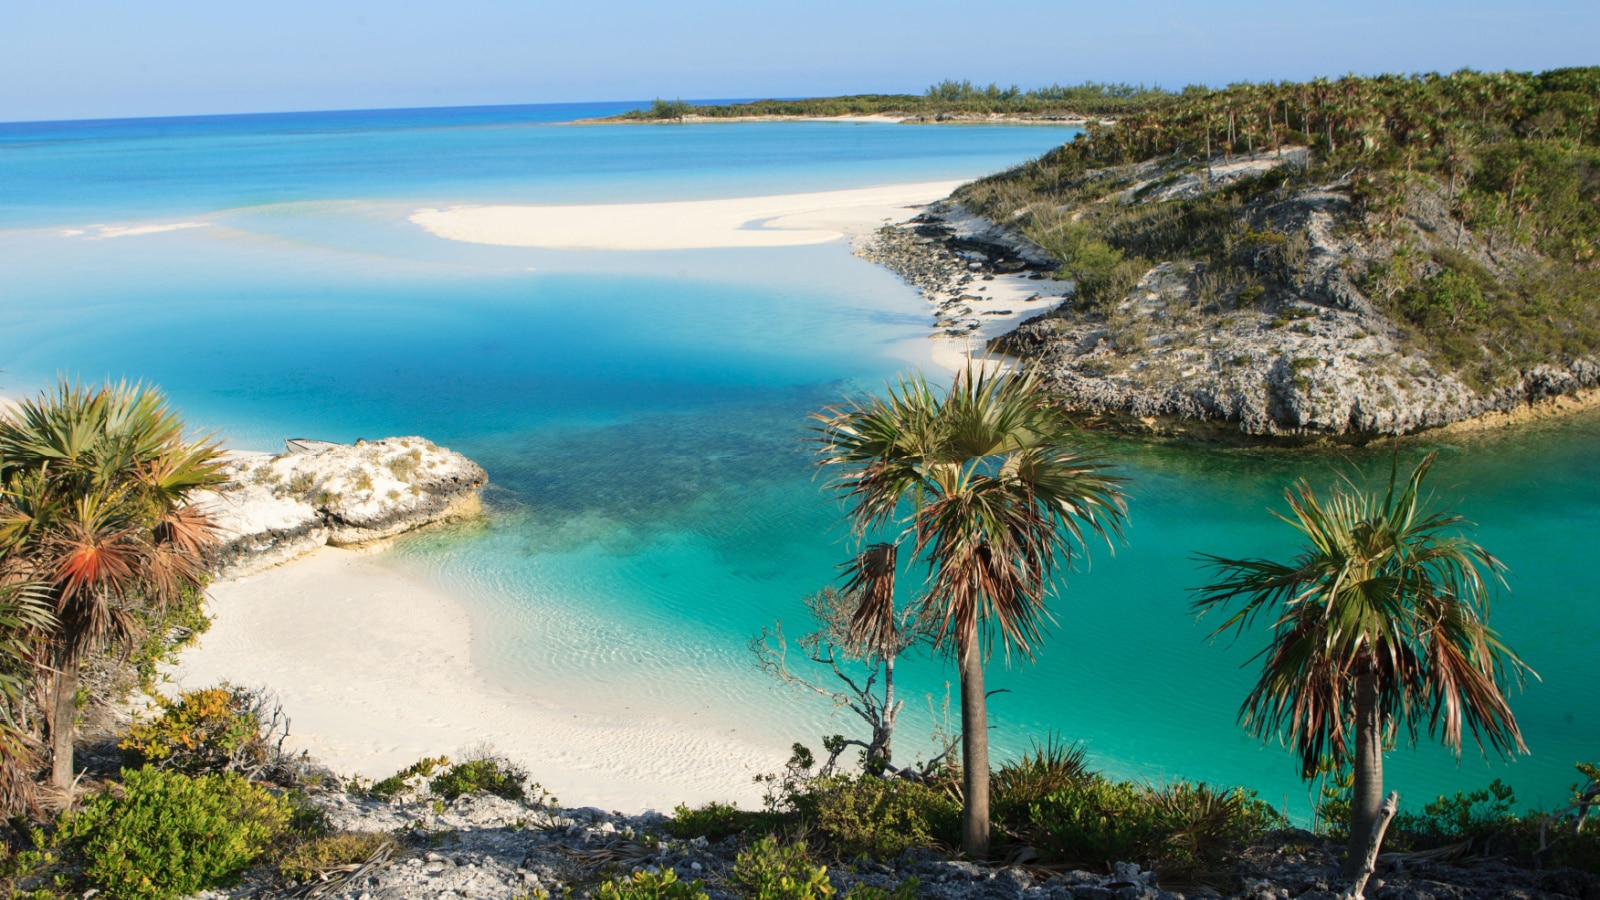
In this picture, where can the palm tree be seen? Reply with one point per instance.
(984, 483)
(93, 488)
(1380, 621)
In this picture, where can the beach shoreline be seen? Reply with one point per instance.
(374, 669)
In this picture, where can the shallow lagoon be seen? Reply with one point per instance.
(642, 415)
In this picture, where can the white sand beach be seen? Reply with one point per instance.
(782, 220)
(375, 671)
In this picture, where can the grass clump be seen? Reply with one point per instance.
(315, 856)
(408, 779)
(168, 835)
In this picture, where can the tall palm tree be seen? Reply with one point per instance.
(1378, 623)
(93, 488)
(985, 485)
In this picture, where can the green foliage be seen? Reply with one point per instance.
(667, 109)
(495, 775)
(878, 817)
(652, 886)
(905, 890)
(1468, 816)
(208, 730)
(169, 835)
(713, 821)
(1181, 828)
(310, 858)
(405, 779)
(947, 98)
(163, 631)
(767, 870)
(1050, 766)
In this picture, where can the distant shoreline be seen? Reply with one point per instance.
(1067, 121)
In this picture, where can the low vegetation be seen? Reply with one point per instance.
(947, 99)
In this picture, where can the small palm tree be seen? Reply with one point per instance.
(1379, 623)
(93, 489)
(984, 483)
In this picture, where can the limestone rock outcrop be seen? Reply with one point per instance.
(274, 508)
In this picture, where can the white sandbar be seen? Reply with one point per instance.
(374, 669)
(781, 220)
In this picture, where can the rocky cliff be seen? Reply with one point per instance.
(274, 508)
(1293, 335)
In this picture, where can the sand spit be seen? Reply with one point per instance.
(782, 220)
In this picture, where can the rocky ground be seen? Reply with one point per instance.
(274, 508)
(482, 846)
(1320, 362)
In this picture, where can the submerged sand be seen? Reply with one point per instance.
(375, 670)
(779, 220)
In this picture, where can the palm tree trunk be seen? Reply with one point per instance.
(1366, 795)
(974, 747)
(63, 710)
(888, 715)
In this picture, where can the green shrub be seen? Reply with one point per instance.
(210, 730)
(169, 835)
(310, 858)
(1184, 827)
(496, 775)
(713, 821)
(652, 886)
(1018, 785)
(768, 871)
(405, 779)
(879, 817)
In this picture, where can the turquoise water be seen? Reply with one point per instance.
(642, 415)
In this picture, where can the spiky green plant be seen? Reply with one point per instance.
(984, 482)
(1380, 623)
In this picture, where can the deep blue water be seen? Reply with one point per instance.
(642, 415)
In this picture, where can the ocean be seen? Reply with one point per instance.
(643, 416)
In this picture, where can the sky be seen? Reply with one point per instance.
(76, 59)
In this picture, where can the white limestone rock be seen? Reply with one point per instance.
(274, 508)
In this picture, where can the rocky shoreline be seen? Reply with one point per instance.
(272, 508)
(482, 846)
(1324, 365)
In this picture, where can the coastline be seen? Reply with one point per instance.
(374, 669)
(880, 118)
(775, 220)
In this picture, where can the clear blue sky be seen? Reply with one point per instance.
(67, 59)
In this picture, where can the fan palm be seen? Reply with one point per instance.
(1378, 624)
(984, 483)
(93, 487)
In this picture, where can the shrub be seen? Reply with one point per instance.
(1032, 777)
(1184, 827)
(652, 886)
(214, 729)
(768, 871)
(879, 817)
(409, 778)
(1473, 816)
(714, 821)
(169, 835)
(905, 890)
(311, 858)
(496, 775)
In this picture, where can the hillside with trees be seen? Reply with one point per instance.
(1359, 256)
